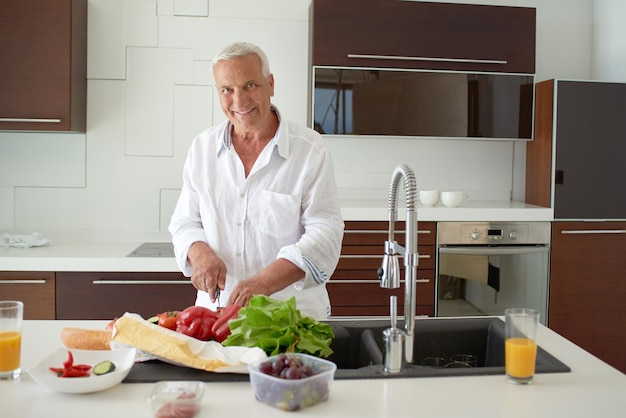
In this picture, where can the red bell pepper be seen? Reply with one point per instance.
(220, 328)
(196, 322)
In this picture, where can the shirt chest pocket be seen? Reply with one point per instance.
(280, 214)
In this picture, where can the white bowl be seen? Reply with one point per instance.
(123, 360)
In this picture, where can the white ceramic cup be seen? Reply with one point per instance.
(453, 199)
(429, 197)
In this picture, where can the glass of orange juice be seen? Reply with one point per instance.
(11, 315)
(520, 347)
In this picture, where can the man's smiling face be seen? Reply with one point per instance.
(244, 92)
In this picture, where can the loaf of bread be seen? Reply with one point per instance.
(86, 339)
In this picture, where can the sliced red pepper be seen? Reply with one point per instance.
(220, 329)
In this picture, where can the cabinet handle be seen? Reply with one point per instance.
(376, 256)
(405, 58)
(22, 282)
(30, 120)
(593, 231)
(141, 282)
(341, 281)
(383, 231)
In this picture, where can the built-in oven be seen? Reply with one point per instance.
(484, 268)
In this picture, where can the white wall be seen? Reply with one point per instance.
(149, 93)
(609, 40)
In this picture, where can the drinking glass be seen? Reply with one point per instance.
(11, 315)
(520, 347)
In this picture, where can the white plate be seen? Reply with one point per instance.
(123, 360)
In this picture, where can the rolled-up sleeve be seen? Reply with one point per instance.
(318, 249)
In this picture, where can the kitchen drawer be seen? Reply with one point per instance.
(366, 297)
(352, 258)
(92, 295)
(364, 233)
(36, 289)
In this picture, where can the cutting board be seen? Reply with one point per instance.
(156, 370)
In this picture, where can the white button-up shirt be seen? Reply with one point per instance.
(287, 207)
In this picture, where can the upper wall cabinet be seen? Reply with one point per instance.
(576, 162)
(44, 65)
(421, 69)
(423, 35)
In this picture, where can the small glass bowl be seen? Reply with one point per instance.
(176, 398)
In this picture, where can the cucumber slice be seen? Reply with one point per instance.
(103, 367)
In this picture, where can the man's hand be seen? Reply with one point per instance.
(209, 271)
(278, 275)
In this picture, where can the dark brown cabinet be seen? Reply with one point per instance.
(354, 288)
(44, 65)
(91, 295)
(588, 287)
(36, 289)
(583, 123)
(424, 35)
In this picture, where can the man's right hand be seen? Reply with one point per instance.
(209, 271)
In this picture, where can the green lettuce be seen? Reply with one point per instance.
(276, 326)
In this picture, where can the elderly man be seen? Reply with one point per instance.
(258, 212)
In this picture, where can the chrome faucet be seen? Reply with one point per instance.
(389, 272)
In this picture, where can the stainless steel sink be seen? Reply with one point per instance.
(358, 352)
(482, 338)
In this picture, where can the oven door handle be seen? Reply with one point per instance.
(504, 250)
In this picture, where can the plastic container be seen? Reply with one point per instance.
(174, 398)
(293, 394)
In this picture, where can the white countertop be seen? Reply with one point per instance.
(471, 210)
(98, 256)
(107, 251)
(592, 389)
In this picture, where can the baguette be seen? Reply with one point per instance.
(86, 339)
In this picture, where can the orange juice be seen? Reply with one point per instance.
(520, 355)
(10, 346)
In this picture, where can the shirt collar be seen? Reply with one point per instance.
(280, 139)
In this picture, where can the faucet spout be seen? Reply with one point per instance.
(389, 276)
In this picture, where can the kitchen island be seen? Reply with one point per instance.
(592, 388)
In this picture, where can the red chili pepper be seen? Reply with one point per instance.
(196, 322)
(221, 329)
(70, 360)
(70, 369)
(74, 372)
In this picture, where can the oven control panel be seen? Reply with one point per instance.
(494, 234)
(491, 233)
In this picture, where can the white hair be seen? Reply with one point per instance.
(242, 49)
